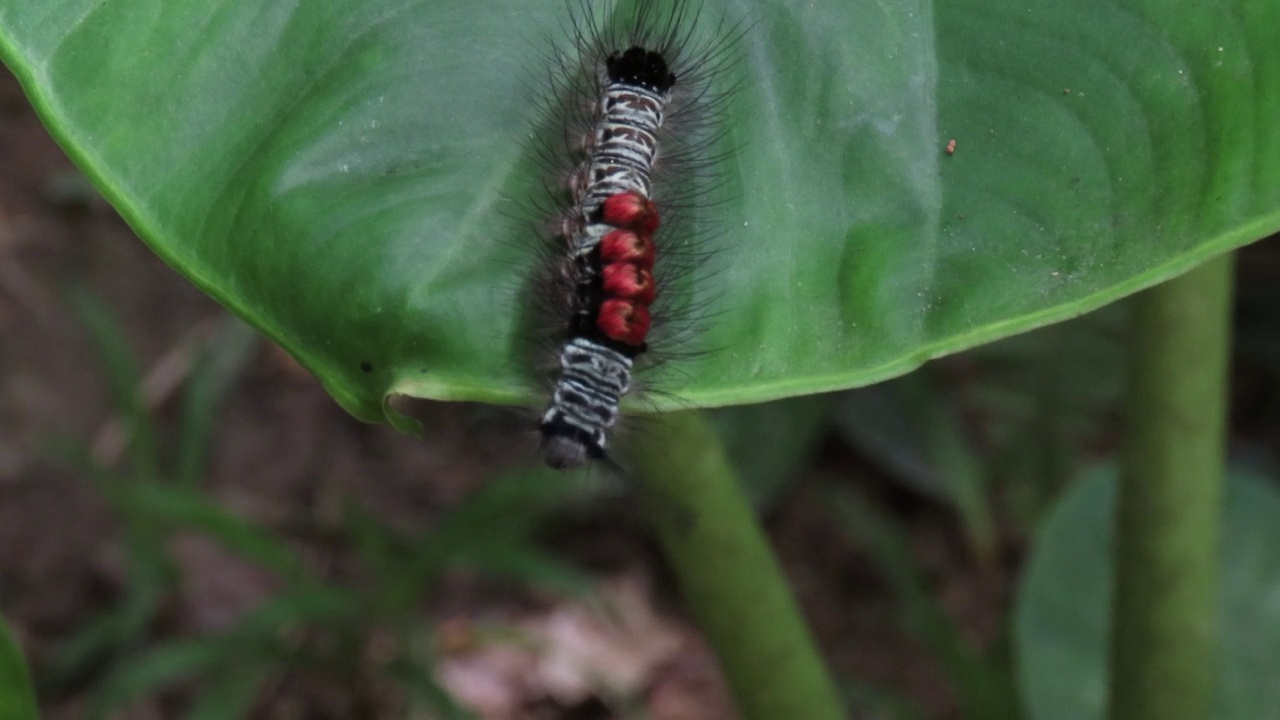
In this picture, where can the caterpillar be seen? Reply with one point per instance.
(641, 113)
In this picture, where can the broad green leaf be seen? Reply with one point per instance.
(341, 174)
(1063, 608)
(17, 698)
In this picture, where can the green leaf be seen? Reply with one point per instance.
(228, 695)
(340, 173)
(982, 684)
(100, 639)
(156, 668)
(770, 444)
(910, 428)
(228, 351)
(1064, 605)
(528, 566)
(424, 692)
(491, 531)
(505, 511)
(267, 633)
(17, 698)
(124, 377)
(1045, 402)
(179, 508)
(877, 702)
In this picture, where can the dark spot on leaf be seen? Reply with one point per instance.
(366, 367)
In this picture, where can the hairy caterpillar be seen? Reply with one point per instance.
(640, 114)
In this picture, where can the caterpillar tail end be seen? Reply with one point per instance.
(562, 452)
(566, 447)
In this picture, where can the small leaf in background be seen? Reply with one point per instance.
(124, 378)
(175, 508)
(876, 703)
(909, 427)
(980, 681)
(490, 531)
(17, 697)
(1008, 422)
(1062, 615)
(771, 443)
(220, 363)
(227, 695)
(425, 692)
(155, 668)
(1044, 405)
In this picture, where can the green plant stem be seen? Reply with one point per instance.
(729, 576)
(17, 698)
(1162, 657)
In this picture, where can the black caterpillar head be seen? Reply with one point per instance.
(644, 68)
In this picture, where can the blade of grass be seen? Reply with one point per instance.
(86, 649)
(155, 668)
(1170, 498)
(306, 604)
(527, 565)
(504, 513)
(768, 443)
(124, 378)
(225, 355)
(424, 692)
(228, 694)
(986, 690)
(877, 702)
(17, 698)
(907, 425)
(174, 508)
